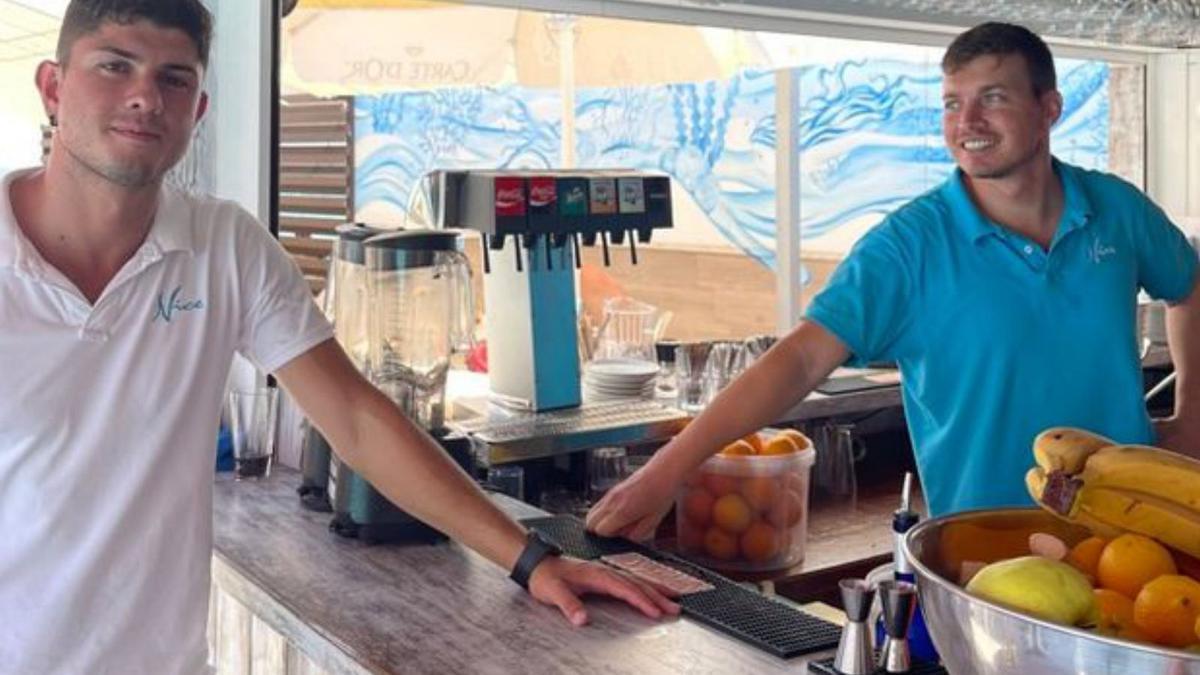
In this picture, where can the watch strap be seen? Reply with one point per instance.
(536, 549)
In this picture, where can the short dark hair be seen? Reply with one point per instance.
(1004, 39)
(86, 16)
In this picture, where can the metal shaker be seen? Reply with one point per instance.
(899, 600)
(855, 655)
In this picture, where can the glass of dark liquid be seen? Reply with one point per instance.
(252, 423)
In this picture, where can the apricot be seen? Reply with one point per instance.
(720, 545)
(697, 506)
(755, 441)
(732, 514)
(760, 542)
(760, 492)
(720, 484)
(739, 448)
(787, 510)
(780, 445)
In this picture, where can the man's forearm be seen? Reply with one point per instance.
(1183, 337)
(411, 470)
(370, 434)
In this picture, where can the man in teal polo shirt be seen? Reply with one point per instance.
(1007, 296)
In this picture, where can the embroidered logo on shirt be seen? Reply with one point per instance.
(168, 306)
(1097, 252)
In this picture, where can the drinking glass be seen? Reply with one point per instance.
(252, 424)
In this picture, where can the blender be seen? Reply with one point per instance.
(345, 306)
(421, 311)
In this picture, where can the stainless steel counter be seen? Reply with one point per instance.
(352, 608)
(504, 435)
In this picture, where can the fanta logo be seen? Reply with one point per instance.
(168, 306)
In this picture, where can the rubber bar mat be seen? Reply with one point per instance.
(825, 667)
(570, 534)
(739, 612)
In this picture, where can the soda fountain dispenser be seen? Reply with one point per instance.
(532, 224)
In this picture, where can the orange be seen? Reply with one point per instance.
(798, 438)
(1166, 609)
(787, 510)
(738, 448)
(760, 542)
(732, 514)
(1116, 611)
(1085, 555)
(797, 482)
(755, 441)
(720, 485)
(720, 544)
(1197, 627)
(697, 506)
(1131, 561)
(780, 445)
(760, 492)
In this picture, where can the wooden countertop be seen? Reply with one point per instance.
(389, 609)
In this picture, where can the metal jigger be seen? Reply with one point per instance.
(899, 599)
(855, 655)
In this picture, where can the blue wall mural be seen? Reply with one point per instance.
(869, 135)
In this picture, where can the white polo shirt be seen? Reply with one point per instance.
(108, 421)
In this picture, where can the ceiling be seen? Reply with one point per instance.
(1166, 24)
(28, 27)
(1146, 23)
(27, 32)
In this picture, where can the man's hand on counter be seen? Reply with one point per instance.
(634, 508)
(560, 582)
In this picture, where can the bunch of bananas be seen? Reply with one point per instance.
(1112, 489)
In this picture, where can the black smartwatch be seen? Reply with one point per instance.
(536, 549)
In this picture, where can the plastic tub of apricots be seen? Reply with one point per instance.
(746, 508)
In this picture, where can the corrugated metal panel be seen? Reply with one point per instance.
(316, 178)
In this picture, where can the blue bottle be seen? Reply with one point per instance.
(224, 449)
(919, 643)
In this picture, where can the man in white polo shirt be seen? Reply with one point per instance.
(121, 306)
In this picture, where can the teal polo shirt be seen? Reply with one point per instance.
(998, 339)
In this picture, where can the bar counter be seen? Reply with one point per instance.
(344, 607)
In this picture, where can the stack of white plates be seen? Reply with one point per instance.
(606, 379)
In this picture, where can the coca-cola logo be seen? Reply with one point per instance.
(541, 195)
(509, 197)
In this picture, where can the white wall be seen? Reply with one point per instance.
(239, 83)
(1173, 136)
(21, 115)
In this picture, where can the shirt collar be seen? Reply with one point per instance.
(170, 231)
(172, 227)
(1077, 208)
(11, 237)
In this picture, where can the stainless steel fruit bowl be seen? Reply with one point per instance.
(977, 637)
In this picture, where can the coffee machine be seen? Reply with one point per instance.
(421, 309)
(346, 308)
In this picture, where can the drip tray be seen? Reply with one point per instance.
(748, 616)
(514, 435)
